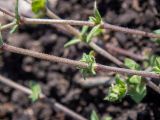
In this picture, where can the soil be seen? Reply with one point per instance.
(58, 80)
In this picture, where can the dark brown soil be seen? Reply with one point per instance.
(58, 81)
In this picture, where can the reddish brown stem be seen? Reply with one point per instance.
(64, 25)
(98, 67)
(57, 105)
(125, 52)
(82, 23)
(130, 31)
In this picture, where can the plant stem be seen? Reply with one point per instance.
(105, 54)
(152, 85)
(95, 47)
(83, 23)
(125, 52)
(91, 24)
(4, 27)
(69, 29)
(26, 90)
(7, 12)
(126, 71)
(42, 56)
(57, 21)
(130, 31)
(98, 67)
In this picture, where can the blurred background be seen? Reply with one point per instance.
(64, 83)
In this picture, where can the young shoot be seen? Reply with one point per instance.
(157, 40)
(117, 91)
(36, 91)
(156, 67)
(136, 86)
(90, 60)
(86, 36)
(17, 19)
(39, 7)
(94, 116)
(97, 19)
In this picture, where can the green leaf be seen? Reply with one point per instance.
(156, 70)
(156, 67)
(72, 42)
(17, 12)
(94, 32)
(14, 29)
(97, 19)
(94, 116)
(39, 7)
(97, 14)
(92, 19)
(36, 91)
(131, 64)
(138, 92)
(17, 20)
(152, 60)
(157, 31)
(117, 91)
(108, 118)
(90, 60)
(157, 62)
(1, 40)
(135, 79)
(157, 40)
(84, 30)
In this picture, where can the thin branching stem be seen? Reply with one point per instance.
(42, 56)
(7, 12)
(126, 71)
(26, 90)
(83, 23)
(95, 47)
(57, 21)
(91, 24)
(9, 25)
(73, 31)
(69, 28)
(105, 54)
(152, 85)
(98, 67)
(129, 31)
(125, 52)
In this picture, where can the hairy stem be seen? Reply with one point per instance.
(83, 23)
(4, 27)
(70, 29)
(105, 54)
(98, 67)
(125, 52)
(95, 47)
(26, 90)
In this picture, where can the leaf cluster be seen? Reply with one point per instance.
(134, 86)
(90, 60)
(97, 19)
(94, 116)
(39, 7)
(156, 65)
(157, 40)
(117, 91)
(36, 91)
(87, 36)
